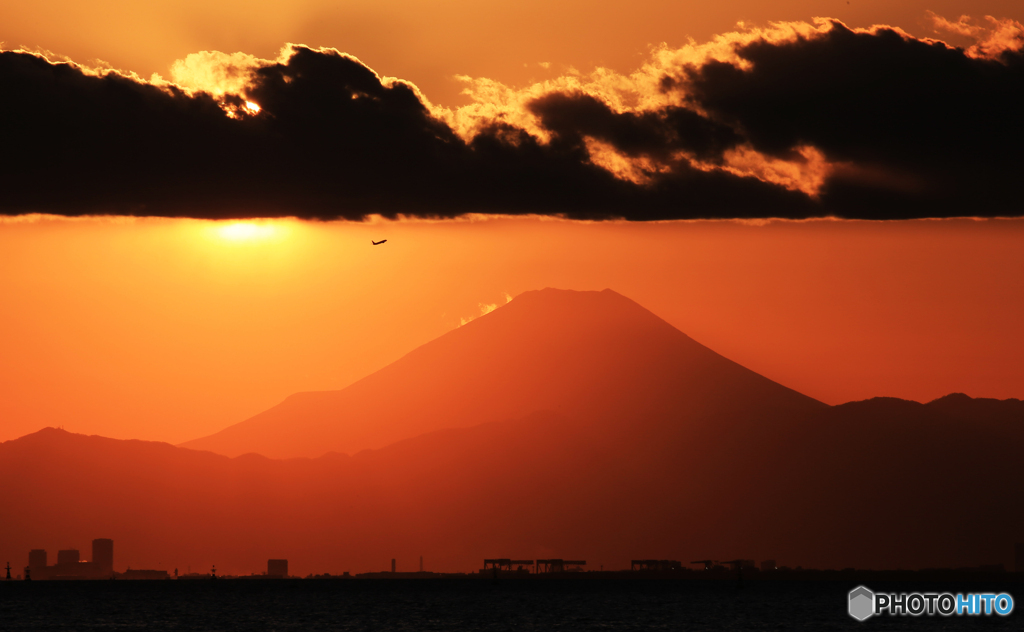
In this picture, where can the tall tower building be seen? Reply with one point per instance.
(277, 568)
(37, 559)
(103, 555)
(67, 556)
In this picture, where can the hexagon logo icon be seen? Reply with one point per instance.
(862, 603)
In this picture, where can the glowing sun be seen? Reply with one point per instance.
(247, 231)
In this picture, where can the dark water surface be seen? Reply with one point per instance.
(443, 604)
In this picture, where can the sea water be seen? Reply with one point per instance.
(464, 604)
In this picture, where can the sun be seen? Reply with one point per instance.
(247, 231)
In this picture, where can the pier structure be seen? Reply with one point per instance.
(559, 566)
(506, 564)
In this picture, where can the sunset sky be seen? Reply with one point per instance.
(430, 43)
(170, 328)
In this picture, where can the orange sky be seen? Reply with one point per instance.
(173, 329)
(430, 43)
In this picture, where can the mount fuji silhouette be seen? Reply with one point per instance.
(591, 355)
(565, 424)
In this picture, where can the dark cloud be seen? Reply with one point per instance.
(658, 134)
(331, 141)
(924, 129)
(909, 128)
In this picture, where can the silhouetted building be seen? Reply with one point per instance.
(103, 555)
(392, 565)
(1018, 558)
(768, 565)
(68, 556)
(37, 559)
(559, 566)
(277, 568)
(70, 565)
(506, 564)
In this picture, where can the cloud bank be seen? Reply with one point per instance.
(794, 120)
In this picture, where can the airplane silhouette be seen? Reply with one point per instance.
(377, 243)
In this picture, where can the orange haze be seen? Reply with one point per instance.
(175, 329)
(429, 43)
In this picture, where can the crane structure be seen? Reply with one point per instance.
(506, 564)
(559, 566)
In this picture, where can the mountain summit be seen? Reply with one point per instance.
(597, 357)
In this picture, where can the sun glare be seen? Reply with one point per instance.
(247, 231)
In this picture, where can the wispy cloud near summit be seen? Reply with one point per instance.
(793, 120)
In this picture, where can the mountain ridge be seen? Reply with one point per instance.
(607, 438)
(867, 487)
(590, 354)
(958, 397)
